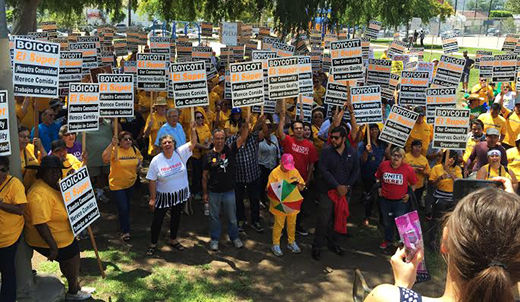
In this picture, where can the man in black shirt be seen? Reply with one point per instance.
(465, 72)
(339, 167)
(218, 184)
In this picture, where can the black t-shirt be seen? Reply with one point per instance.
(133, 125)
(468, 64)
(222, 168)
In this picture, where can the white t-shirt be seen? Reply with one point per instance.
(170, 173)
(509, 100)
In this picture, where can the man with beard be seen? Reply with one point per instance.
(339, 166)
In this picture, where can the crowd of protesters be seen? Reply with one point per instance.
(229, 157)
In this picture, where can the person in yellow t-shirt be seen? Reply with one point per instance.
(484, 91)
(442, 177)
(201, 148)
(12, 206)
(27, 156)
(25, 110)
(421, 131)
(318, 91)
(70, 162)
(513, 158)
(476, 136)
(125, 162)
(47, 227)
(494, 168)
(512, 124)
(493, 119)
(285, 171)
(420, 166)
(233, 124)
(154, 122)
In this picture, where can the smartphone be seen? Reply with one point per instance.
(463, 187)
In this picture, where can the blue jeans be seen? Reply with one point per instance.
(122, 198)
(389, 210)
(7, 255)
(226, 202)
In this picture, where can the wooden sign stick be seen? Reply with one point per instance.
(36, 119)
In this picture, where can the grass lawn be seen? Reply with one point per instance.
(427, 47)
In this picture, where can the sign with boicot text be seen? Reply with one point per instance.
(152, 71)
(189, 82)
(398, 126)
(247, 84)
(116, 95)
(36, 68)
(347, 60)
(451, 128)
(449, 72)
(366, 101)
(283, 78)
(413, 87)
(445, 97)
(80, 200)
(83, 107)
(5, 141)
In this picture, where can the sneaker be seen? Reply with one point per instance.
(213, 245)
(277, 251)
(294, 248)
(257, 227)
(238, 243)
(79, 296)
(206, 209)
(301, 231)
(384, 245)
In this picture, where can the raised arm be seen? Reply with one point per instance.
(279, 131)
(194, 141)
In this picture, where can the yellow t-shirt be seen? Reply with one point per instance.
(212, 118)
(213, 98)
(277, 175)
(71, 164)
(231, 128)
(11, 225)
(318, 143)
(27, 119)
(203, 137)
(445, 185)
(27, 158)
(318, 95)
(482, 93)
(418, 162)
(46, 206)
(501, 171)
(422, 132)
(489, 122)
(158, 121)
(144, 100)
(470, 144)
(512, 129)
(123, 169)
(513, 161)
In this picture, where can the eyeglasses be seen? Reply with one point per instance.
(127, 138)
(483, 80)
(200, 117)
(335, 137)
(397, 155)
(68, 134)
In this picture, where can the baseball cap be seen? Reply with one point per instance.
(492, 131)
(55, 103)
(419, 110)
(287, 161)
(236, 110)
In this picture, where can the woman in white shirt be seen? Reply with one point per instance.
(506, 97)
(169, 187)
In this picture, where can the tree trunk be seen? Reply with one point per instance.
(130, 13)
(27, 17)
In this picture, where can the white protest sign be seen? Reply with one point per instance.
(90, 54)
(450, 45)
(398, 126)
(247, 84)
(449, 72)
(425, 66)
(190, 86)
(71, 64)
(152, 71)
(305, 103)
(396, 48)
(282, 49)
(80, 200)
(373, 29)
(451, 128)
(83, 107)
(229, 33)
(479, 54)
(159, 44)
(509, 43)
(415, 24)
(283, 78)
(504, 68)
(366, 101)
(305, 75)
(116, 95)
(388, 92)
(263, 56)
(336, 94)
(445, 97)
(413, 87)
(485, 66)
(378, 72)
(5, 141)
(36, 68)
(347, 60)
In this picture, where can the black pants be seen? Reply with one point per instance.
(439, 209)
(369, 196)
(418, 195)
(264, 176)
(253, 192)
(7, 268)
(196, 175)
(325, 224)
(158, 217)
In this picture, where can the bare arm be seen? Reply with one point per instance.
(194, 141)
(107, 153)
(244, 132)
(279, 131)
(16, 209)
(46, 234)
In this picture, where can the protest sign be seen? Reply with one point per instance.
(83, 107)
(418, 52)
(107, 58)
(189, 81)
(263, 32)
(439, 98)
(131, 68)
(184, 50)
(326, 63)
(206, 29)
(227, 84)
(485, 67)
(504, 68)
(378, 72)
(329, 38)
(449, 72)
(120, 47)
(267, 42)
(269, 107)
(229, 33)
(451, 128)
(316, 59)
(204, 53)
(305, 75)
(283, 78)
(398, 126)
(247, 84)
(116, 95)
(282, 49)
(36, 68)
(347, 62)
(238, 52)
(366, 101)
(509, 43)
(413, 87)
(396, 48)
(159, 44)
(5, 141)
(226, 55)
(40, 36)
(250, 47)
(315, 39)
(263, 56)
(388, 92)
(80, 200)
(365, 50)
(450, 45)
(90, 54)
(479, 54)
(71, 63)
(336, 94)
(373, 29)
(152, 71)
(425, 66)
(305, 103)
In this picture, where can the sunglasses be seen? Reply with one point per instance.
(335, 137)
(68, 134)
(397, 155)
(127, 138)
(200, 117)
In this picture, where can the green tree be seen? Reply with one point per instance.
(513, 5)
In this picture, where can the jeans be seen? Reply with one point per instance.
(122, 198)
(325, 224)
(196, 175)
(175, 220)
(253, 192)
(389, 210)
(7, 268)
(226, 202)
